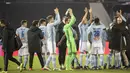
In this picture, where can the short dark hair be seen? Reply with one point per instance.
(35, 22)
(3, 21)
(42, 20)
(67, 18)
(23, 21)
(49, 18)
(96, 20)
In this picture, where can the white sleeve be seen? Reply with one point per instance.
(123, 18)
(90, 28)
(103, 26)
(17, 32)
(57, 19)
(79, 24)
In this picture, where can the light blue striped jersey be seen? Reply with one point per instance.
(44, 32)
(22, 32)
(51, 32)
(97, 32)
(83, 31)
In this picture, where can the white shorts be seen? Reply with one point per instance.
(44, 48)
(51, 46)
(84, 46)
(23, 50)
(97, 48)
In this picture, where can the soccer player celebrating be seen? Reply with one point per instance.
(70, 39)
(51, 43)
(97, 30)
(23, 51)
(83, 25)
(43, 27)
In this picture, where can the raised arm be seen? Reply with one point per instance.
(79, 26)
(91, 17)
(57, 17)
(123, 18)
(90, 28)
(72, 20)
(85, 15)
(119, 14)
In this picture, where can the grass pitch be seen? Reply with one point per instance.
(12, 68)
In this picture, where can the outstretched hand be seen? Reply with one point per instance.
(70, 11)
(90, 10)
(120, 11)
(86, 9)
(56, 10)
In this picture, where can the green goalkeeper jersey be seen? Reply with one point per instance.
(69, 35)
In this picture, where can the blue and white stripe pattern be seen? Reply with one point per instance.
(22, 32)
